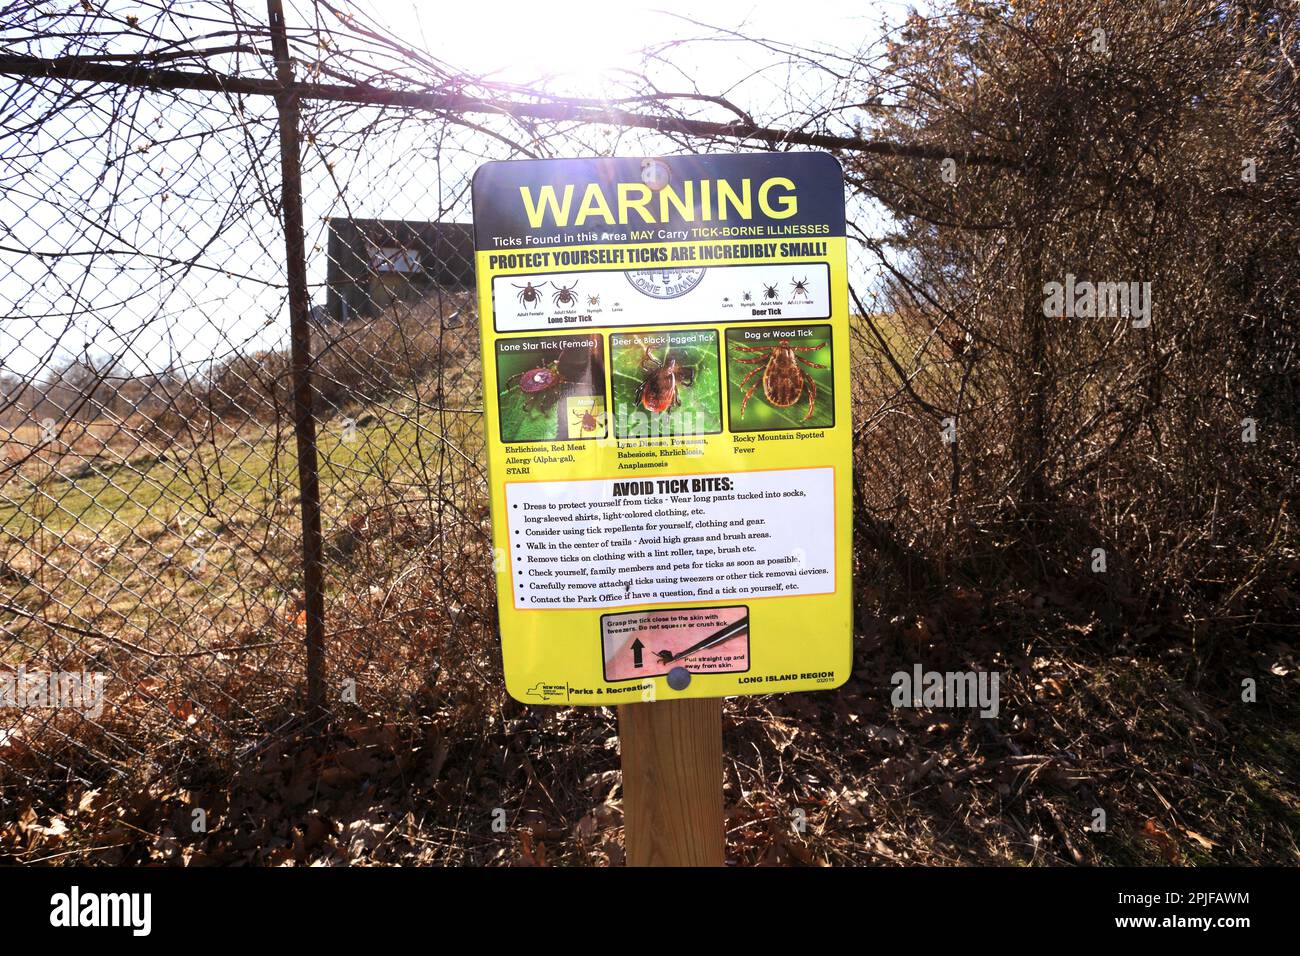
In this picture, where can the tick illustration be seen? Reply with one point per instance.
(720, 636)
(529, 294)
(564, 295)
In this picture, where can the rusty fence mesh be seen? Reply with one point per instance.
(151, 551)
(165, 618)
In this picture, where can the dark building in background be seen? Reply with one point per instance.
(374, 262)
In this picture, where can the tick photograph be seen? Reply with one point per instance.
(665, 383)
(551, 388)
(779, 377)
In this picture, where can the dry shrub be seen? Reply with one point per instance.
(1125, 161)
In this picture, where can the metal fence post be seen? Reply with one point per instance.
(300, 354)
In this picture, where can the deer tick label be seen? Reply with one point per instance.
(667, 423)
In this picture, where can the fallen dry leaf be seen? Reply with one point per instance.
(1159, 837)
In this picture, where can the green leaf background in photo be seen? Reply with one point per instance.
(518, 423)
(760, 415)
(701, 403)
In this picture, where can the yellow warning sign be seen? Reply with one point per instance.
(666, 393)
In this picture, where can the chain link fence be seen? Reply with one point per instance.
(150, 511)
(156, 605)
(243, 495)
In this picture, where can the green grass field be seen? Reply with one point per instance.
(209, 526)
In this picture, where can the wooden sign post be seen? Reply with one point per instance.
(669, 450)
(672, 782)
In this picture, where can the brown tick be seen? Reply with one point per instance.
(783, 379)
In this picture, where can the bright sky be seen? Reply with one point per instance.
(172, 200)
(519, 40)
